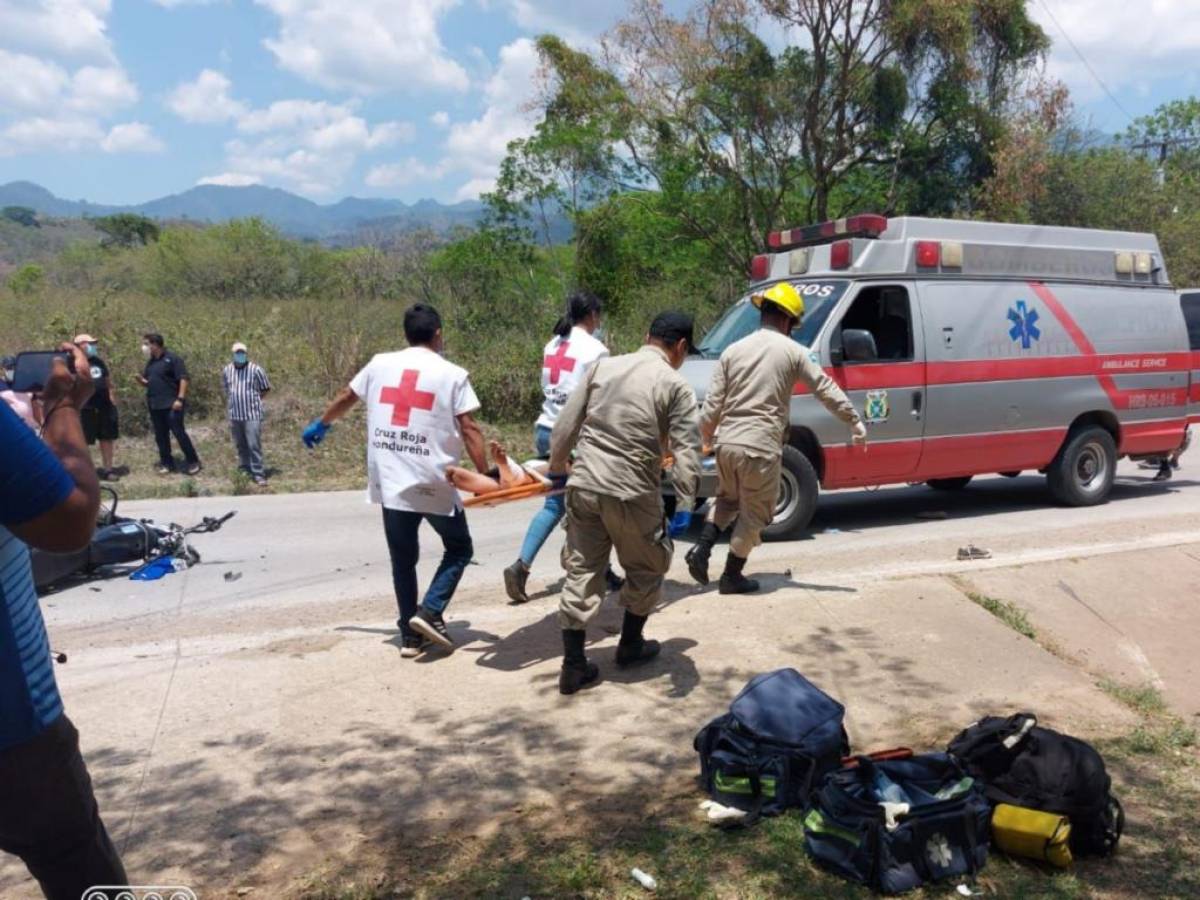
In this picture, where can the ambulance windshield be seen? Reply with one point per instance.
(741, 319)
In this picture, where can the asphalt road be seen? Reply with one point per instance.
(300, 549)
(250, 720)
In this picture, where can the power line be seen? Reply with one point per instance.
(1083, 59)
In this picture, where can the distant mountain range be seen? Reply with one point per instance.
(290, 213)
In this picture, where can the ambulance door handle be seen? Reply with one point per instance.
(917, 399)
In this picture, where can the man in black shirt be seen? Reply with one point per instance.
(166, 380)
(99, 414)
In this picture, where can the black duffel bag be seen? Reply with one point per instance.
(1023, 764)
(935, 826)
(781, 735)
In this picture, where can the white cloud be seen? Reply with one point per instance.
(477, 147)
(440, 119)
(403, 173)
(131, 137)
(173, 4)
(307, 145)
(29, 83)
(365, 45)
(40, 133)
(575, 21)
(61, 79)
(231, 179)
(101, 90)
(65, 29)
(206, 99)
(1127, 44)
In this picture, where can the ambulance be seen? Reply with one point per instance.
(974, 348)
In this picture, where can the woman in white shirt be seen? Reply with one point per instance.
(565, 361)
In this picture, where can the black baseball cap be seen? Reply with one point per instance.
(672, 327)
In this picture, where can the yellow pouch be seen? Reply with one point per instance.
(1032, 833)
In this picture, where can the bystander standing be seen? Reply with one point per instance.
(245, 383)
(165, 378)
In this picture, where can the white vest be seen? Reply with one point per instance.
(565, 362)
(413, 400)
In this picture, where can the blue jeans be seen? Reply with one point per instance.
(549, 515)
(401, 527)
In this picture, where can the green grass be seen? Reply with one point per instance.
(1145, 698)
(1007, 612)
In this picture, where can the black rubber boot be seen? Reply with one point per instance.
(697, 558)
(576, 672)
(515, 577)
(1164, 471)
(733, 581)
(633, 648)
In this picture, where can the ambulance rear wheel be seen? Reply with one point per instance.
(798, 488)
(949, 484)
(1082, 473)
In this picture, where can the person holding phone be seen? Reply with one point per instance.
(49, 497)
(99, 414)
(165, 378)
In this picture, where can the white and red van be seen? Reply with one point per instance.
(974, 348)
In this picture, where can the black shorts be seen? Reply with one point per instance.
(99, 423)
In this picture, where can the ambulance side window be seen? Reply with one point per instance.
(885, 312)
(1191, 315)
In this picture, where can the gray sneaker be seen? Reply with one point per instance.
(431, 626)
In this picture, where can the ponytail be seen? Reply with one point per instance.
(580, 305)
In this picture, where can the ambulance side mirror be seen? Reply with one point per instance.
(858, 345)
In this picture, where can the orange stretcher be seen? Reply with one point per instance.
(508, 495)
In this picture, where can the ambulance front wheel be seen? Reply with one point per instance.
(798, 488)
(1082, 473)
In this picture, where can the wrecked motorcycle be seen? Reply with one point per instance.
(120, 541)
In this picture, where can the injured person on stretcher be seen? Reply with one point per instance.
(504, 475)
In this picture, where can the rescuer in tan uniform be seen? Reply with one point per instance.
(619, 421)
(747, 408)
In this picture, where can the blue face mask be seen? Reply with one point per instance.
(90, 350)
(239, 358)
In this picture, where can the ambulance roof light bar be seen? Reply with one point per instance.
(867, 225)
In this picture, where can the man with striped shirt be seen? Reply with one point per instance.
(245, 383)
(49, 495)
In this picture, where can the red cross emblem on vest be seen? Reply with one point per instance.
(559, 362)
(405, 397)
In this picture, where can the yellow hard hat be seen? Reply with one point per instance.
(784, 296)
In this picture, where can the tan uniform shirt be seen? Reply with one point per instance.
(750, 396)
(628, 410)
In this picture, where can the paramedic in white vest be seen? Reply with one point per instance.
(419, 419)
(746, 417)
(566, 359)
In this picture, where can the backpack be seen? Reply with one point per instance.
(1023, 764)
(780, 736)
(942, 831)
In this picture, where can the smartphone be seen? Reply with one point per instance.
(33, 367)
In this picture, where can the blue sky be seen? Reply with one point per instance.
(127, 100)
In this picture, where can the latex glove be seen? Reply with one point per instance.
(680, 523)
(558, 482)
(314, 433)
(858, 434)
(892, 813)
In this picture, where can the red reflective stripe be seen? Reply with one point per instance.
(1194, 393)
(1152, 437)
(888, 375)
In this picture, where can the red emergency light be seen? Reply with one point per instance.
(760, 267)
(840, 254)
(929, 254)
(868, 225)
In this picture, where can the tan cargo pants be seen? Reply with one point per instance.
(598, 524)
(747, 493)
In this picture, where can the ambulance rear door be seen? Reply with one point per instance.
(1190, 302)
(886, 383)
